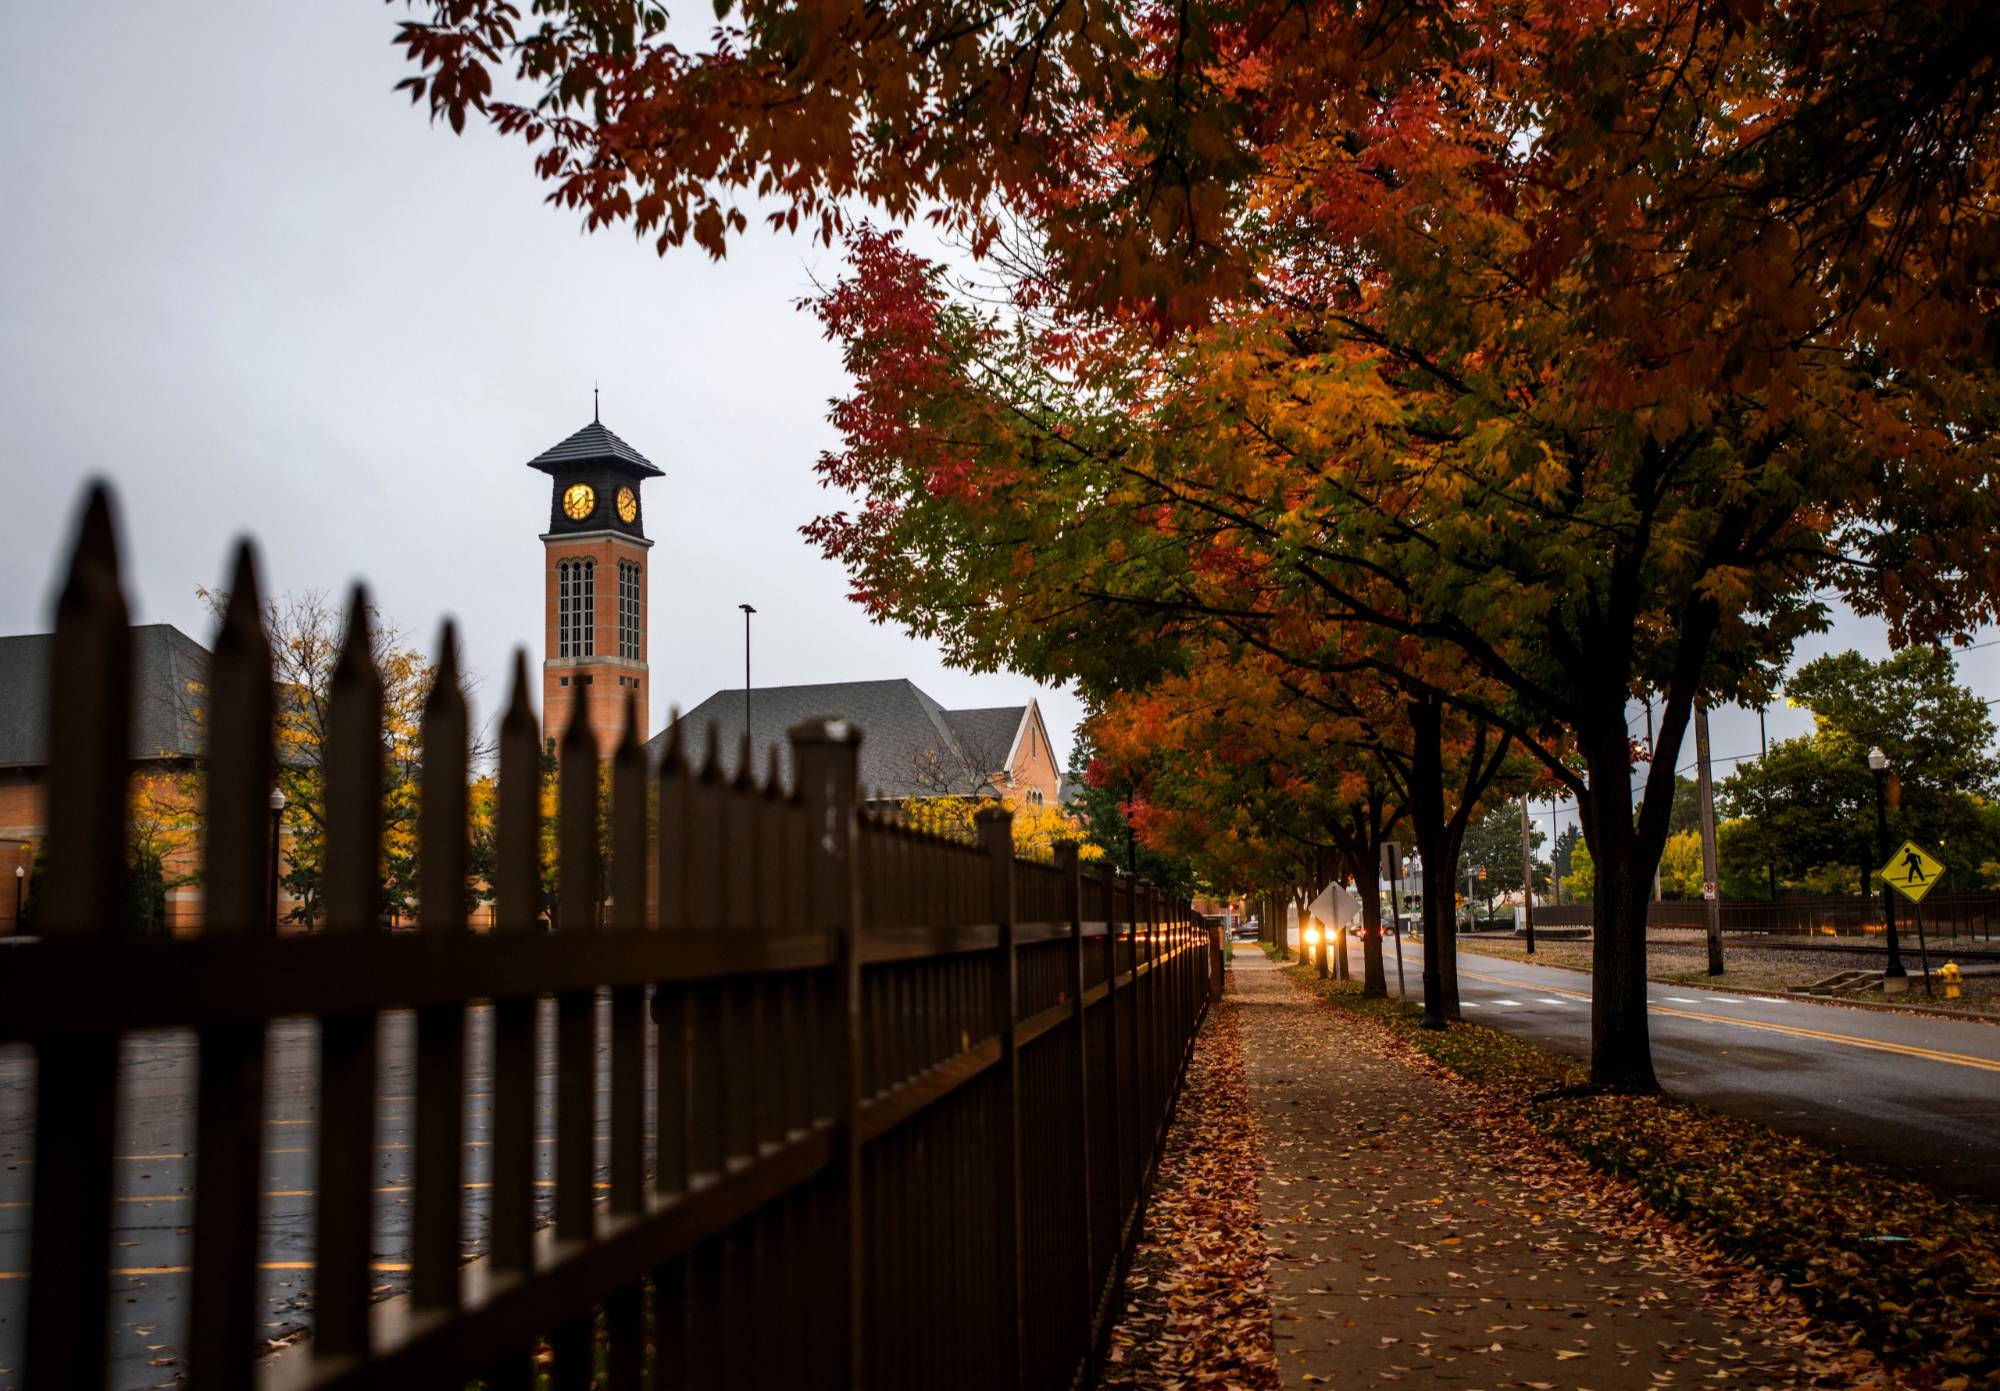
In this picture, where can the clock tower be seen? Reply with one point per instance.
(594, 585)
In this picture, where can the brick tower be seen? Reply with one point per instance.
(594, 584)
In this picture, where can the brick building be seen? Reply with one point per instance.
(168, 671)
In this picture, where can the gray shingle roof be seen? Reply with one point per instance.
(168, 668)
(909, 747)
(594, 444)
(987, 736)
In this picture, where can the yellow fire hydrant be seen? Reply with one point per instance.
(1949, 975)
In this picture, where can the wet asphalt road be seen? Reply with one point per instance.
(151, 1241)
(1916, 1095)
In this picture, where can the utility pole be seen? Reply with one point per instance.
(1527, 880)
(1555, 862)
(1764, 752)
(1710, 888)
(1649, 774)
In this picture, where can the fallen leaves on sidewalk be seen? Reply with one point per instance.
(1197, 1314)
(1856, 1263)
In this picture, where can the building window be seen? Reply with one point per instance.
(628, 610)
(1034, 796)
(576, 608)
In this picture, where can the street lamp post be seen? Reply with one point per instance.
(1895, 979)
(277, 825)
(20, 883)
(747, 611)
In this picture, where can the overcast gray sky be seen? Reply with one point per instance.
(260, 292)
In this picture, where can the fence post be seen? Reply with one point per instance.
(996, 837)
(825, 761)
(76, 1078)
(1111, 1082)
(343, 1235)
(1142, 1073)
(222, 1325)
(1072, 888)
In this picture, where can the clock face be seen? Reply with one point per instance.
(579, 501)
(628, 506)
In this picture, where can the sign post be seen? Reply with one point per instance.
(1913, 872)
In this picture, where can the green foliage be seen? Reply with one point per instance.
(1493, 841)
(1809, 805)
(147, 881)
(1930, 1298)
(1562, 854)
(1581, 881)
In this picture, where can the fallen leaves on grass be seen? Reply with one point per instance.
(1197, 1312)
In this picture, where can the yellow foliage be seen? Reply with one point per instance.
(1037, 828)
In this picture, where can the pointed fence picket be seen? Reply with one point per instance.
(883, 1108)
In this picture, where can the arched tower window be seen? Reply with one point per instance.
(576, 608)
(628, 610)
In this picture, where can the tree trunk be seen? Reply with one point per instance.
(1621, 1051)
(1374, 983)
(1427, 821)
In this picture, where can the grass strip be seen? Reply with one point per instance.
(1911, 1274)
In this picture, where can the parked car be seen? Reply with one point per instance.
(1247, 930)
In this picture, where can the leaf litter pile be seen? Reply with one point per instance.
(1881, 1281)
(1197, 1312)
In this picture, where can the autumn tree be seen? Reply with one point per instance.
(306, 632)
(1263, 787)
(1103, 802)
(1593, 349)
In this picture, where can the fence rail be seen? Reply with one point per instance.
(882, 1108)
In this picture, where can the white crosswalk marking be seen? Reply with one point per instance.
(1551, 1000)
(1515, 1003)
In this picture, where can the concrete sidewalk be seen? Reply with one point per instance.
(1406, 1245)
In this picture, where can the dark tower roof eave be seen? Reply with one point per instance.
(594, 445)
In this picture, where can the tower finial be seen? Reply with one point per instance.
(593, 405)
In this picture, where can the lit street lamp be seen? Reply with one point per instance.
(20, 882)
(277, 821)
(1878, 763)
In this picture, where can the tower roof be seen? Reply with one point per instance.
(594, 444)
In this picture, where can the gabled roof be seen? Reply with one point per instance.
(910, 745)
(987, 737)
(168, 669)
(594, 444)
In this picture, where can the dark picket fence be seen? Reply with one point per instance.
(906, 1094)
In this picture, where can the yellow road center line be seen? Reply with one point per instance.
(1907, 1050)
(292, 1193)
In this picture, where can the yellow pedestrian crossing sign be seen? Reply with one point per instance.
(1911, 872)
